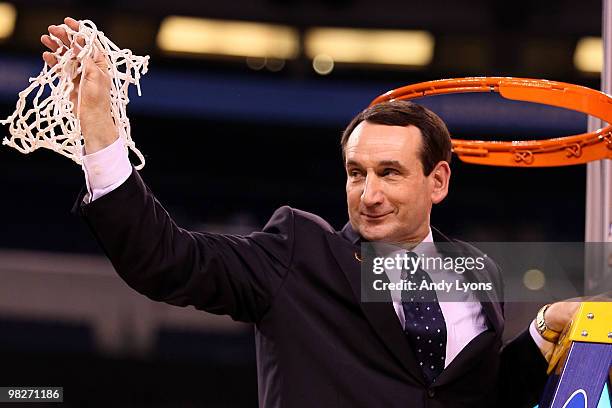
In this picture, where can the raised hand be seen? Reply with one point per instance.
(94, 84)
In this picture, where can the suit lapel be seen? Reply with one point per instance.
(380, 315)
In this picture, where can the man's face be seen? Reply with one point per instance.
(389, 198)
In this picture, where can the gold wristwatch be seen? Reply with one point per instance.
(546, 333)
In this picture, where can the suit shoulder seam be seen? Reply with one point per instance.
(287, 268)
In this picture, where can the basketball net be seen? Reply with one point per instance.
(46, 118)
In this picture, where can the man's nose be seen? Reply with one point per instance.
(372, 192)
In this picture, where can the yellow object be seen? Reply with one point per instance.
(8, 15)
(588, 56)
(370, 46)
(229, 38)
(592, 324)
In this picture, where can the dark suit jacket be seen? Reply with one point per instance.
(298, 281)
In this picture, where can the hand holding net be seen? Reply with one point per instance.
(46, 117)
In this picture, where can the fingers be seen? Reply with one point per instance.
(78, 42)
(72, 23)
(60, 33)
(77, 45)
(49, 43)
(49, 58)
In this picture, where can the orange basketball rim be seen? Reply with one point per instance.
(562, 151)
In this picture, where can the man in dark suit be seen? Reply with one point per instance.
(299, 281)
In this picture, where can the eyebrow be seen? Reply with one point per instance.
(391, 163)
(384, 163)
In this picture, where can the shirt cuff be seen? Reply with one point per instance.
(545, 346)
(105, 170)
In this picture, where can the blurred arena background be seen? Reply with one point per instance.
(232, 129)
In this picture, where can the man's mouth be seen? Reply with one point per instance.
(370, 216)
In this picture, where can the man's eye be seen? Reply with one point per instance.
(354, 173)
(390, 172)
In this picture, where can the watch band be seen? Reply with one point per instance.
(546, 333)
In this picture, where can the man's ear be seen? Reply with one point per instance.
(440, 179)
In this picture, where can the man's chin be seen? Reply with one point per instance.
(375, 233)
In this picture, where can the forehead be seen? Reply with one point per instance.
(370, 141)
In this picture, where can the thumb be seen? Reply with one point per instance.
(95, 67)
(99, 59)
(90, 69)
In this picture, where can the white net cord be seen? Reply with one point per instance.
(49, 120)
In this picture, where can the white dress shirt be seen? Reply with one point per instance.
(108, 168)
